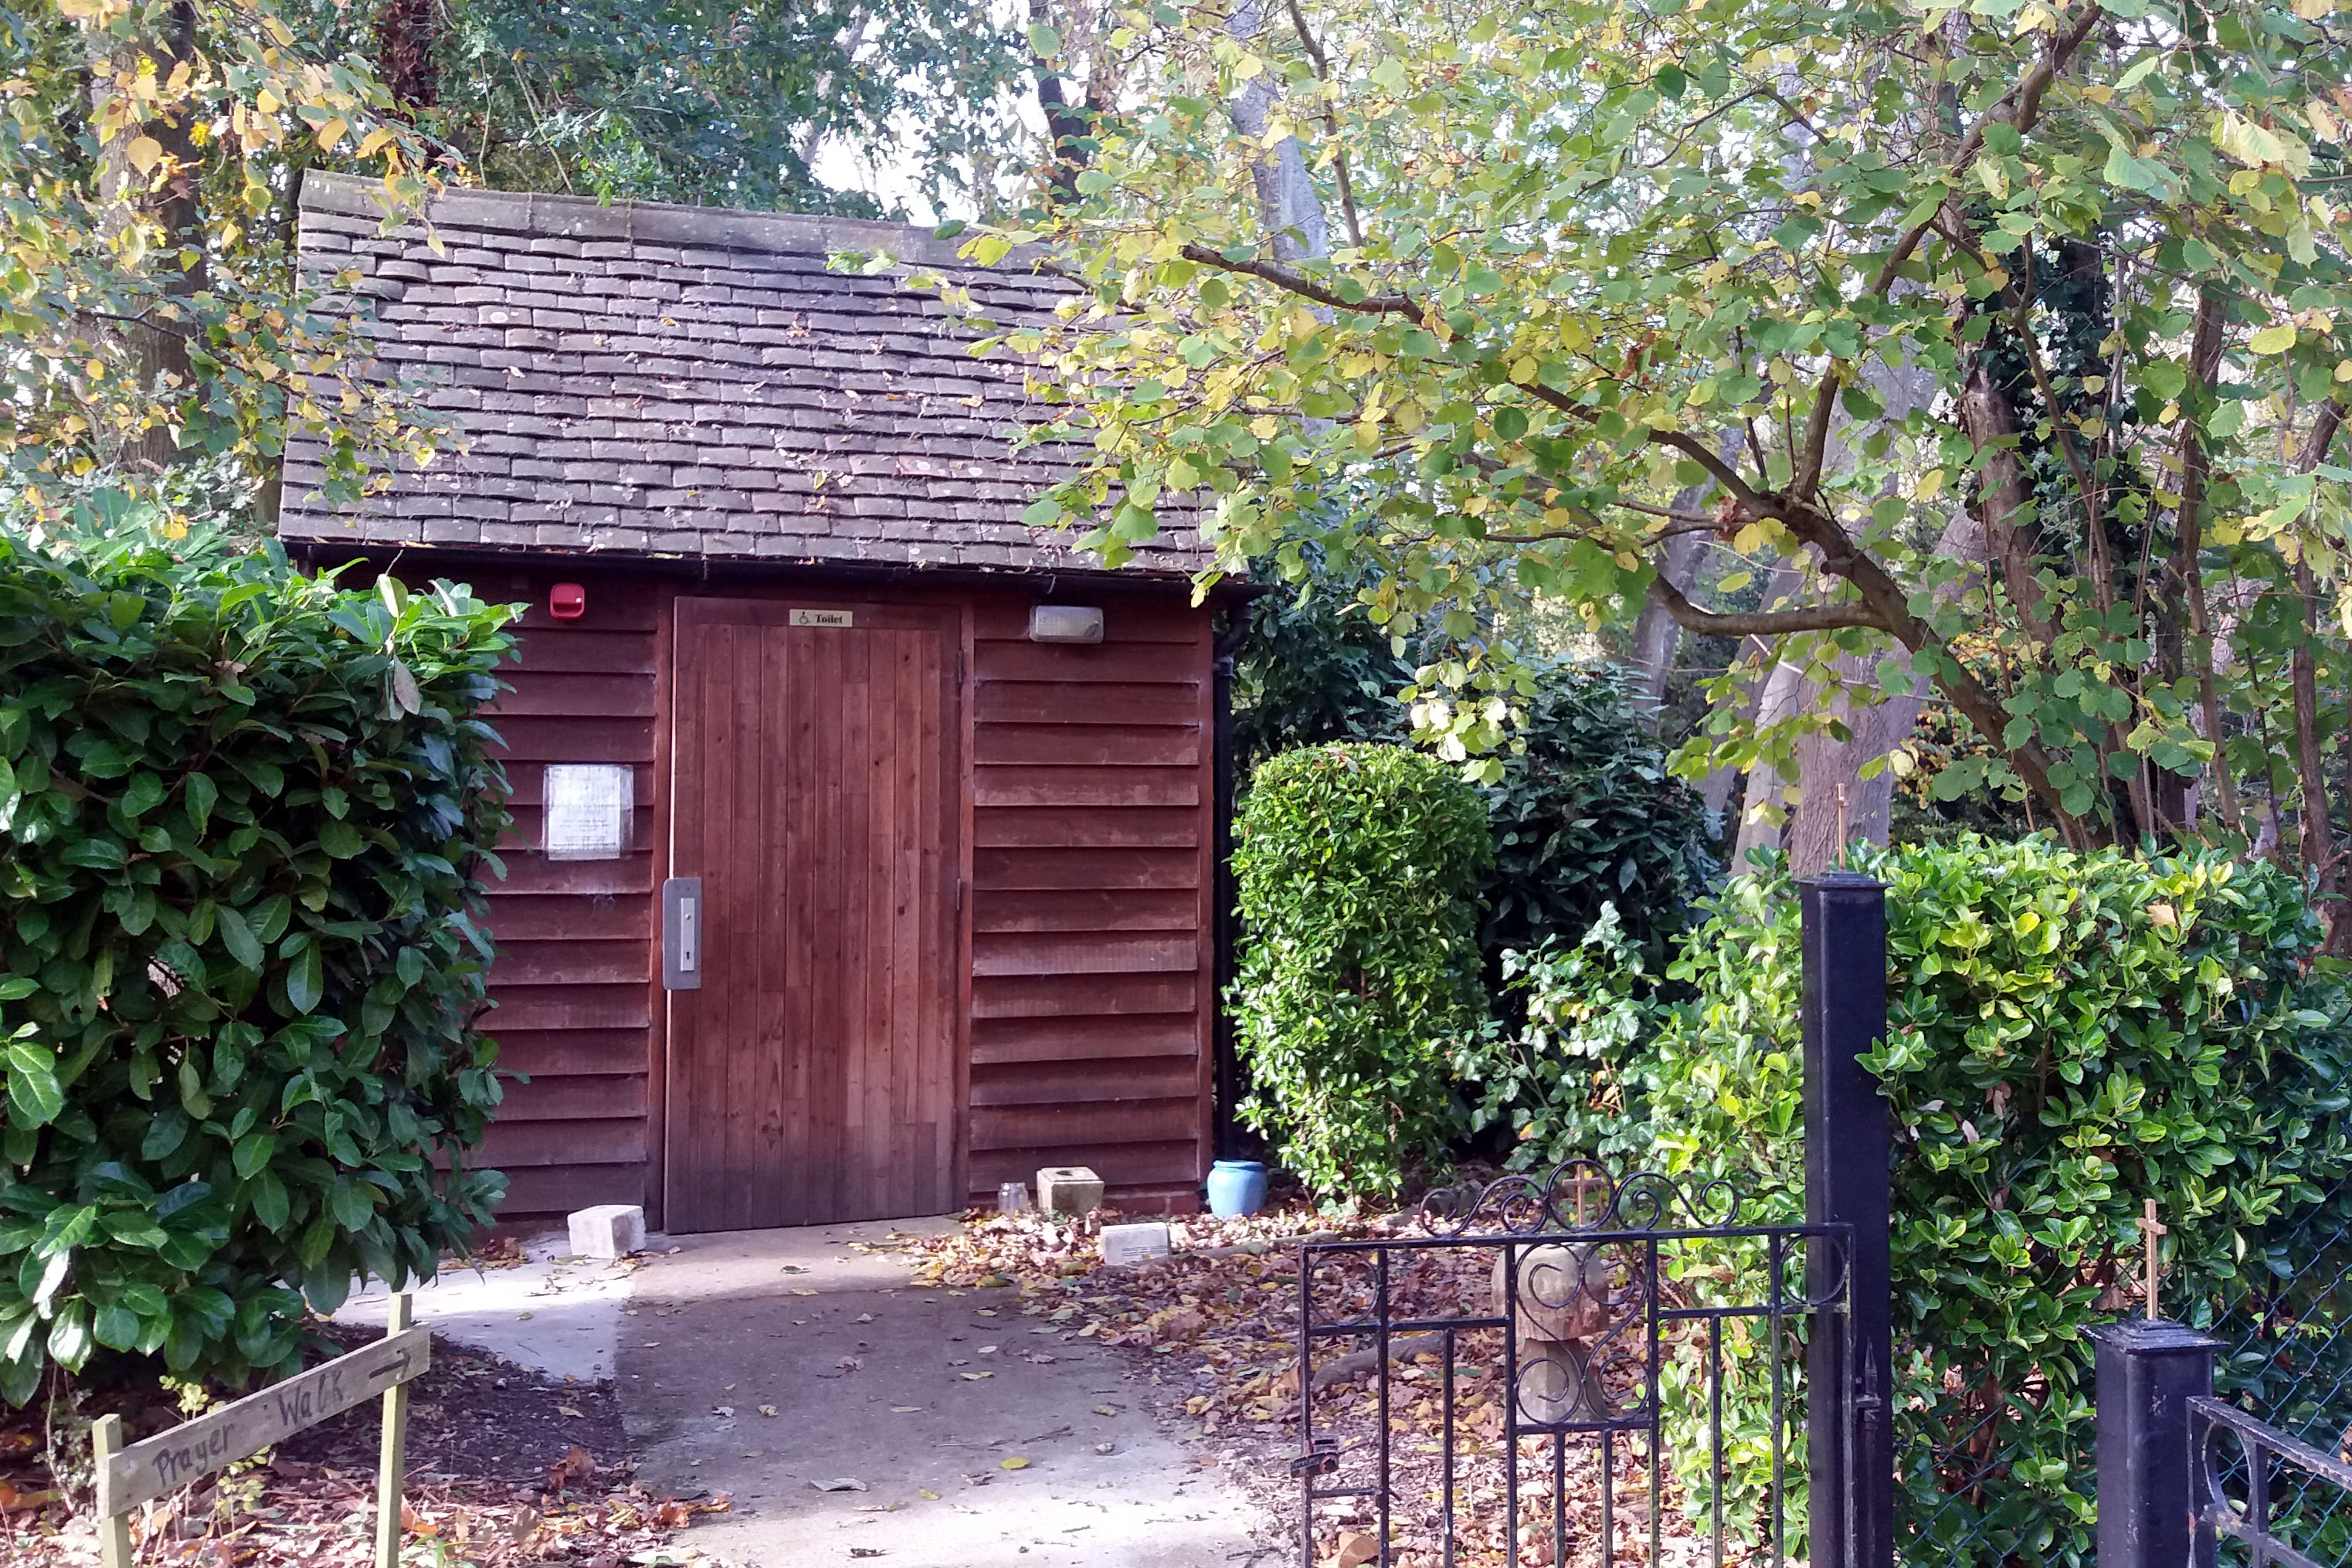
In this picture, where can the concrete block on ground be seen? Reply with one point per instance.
(608, 1230)
(1068, 1189)
(1135, 1243)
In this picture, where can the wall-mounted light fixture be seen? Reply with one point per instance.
(1065, 623)
(567, 601)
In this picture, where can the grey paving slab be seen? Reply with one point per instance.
(920, 1395)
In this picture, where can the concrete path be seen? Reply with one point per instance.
(905, 1392)
(920, 1396)
(561, 1315)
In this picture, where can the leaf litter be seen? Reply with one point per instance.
(1215, 1327)
(507, 1466)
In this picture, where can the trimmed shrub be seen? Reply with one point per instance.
(1357, 870)
(245, 814)
(2069, 1035)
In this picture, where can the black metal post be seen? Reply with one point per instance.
(1849, 1361)
(2148, 1371)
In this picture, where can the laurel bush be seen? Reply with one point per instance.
(245, 815)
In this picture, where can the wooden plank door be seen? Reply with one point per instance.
(814, 1077)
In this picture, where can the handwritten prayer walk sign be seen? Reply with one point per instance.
(141, 1472)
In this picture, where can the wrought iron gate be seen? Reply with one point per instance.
(1570, 1369)
(2307, 1489)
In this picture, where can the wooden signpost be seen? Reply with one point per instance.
(141, 1472)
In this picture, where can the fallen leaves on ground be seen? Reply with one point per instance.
(507, 1466)
(1215, 1326)
(326, 1519)
(576, 1469)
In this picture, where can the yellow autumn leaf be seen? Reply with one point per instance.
(144, 154)
(1015, 1463)
(331, 132)
(1931, 484)
(2273, 340)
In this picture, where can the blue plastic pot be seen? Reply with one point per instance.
(1236, 1187)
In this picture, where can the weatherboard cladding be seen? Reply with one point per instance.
(643, 379)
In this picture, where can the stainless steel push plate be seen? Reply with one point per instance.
(682, 934)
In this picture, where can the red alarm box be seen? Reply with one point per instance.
(567, 601)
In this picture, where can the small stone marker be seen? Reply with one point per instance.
(608, 1230)
(1069, 1190)
(1135, 1243)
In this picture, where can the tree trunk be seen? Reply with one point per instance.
(1287, 202)
(1655, 633)
(1716, 789)
(1065, 127)
(2320, 859)
(1784, 687)
(1827, 767)
(167, 198)
(1837, 807)
(408, 54)
(2004, 495)
(1826, 764)
(2204, 363)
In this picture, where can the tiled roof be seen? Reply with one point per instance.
(647, 380)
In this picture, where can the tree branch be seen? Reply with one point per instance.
(1331, 126)
(1817, 435)
(2026, 101)
(1298, 283)
(1760, 623)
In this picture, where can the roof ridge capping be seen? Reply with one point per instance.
(663, 222)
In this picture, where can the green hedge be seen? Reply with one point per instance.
(245, 813)
(1358, 871)
(2068, 1036)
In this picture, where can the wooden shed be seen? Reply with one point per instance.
(846, 884)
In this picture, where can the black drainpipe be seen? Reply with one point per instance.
(1228, 917)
